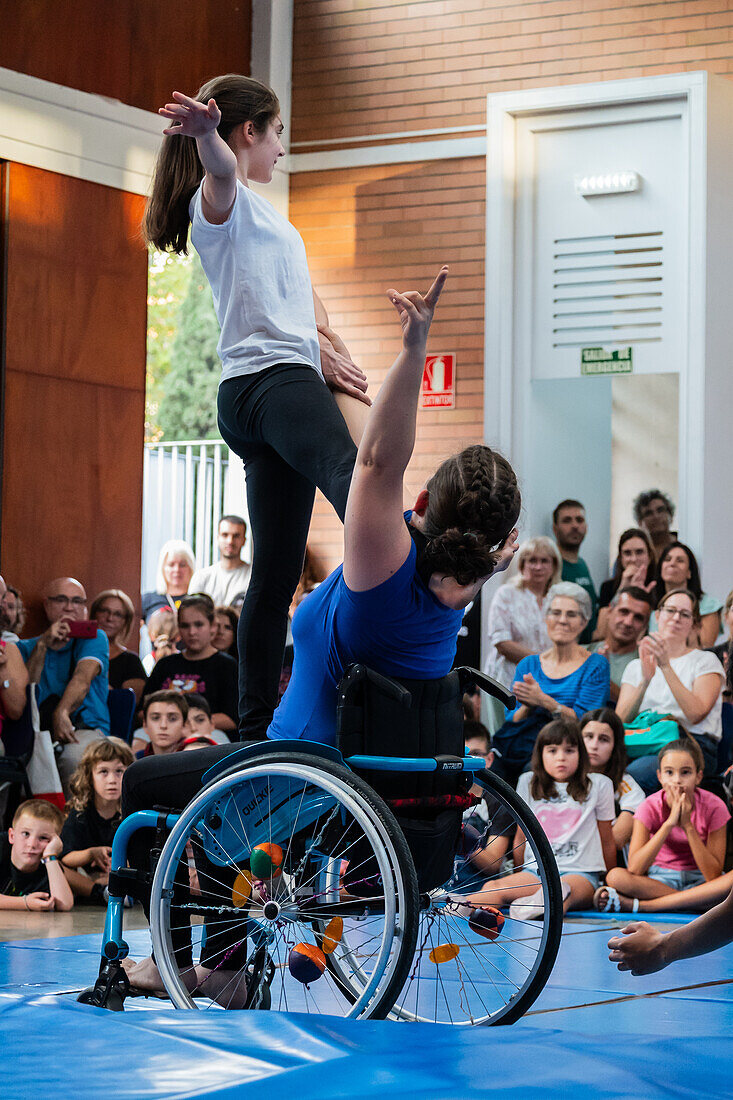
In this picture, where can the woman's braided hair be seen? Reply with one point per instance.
(474, 502)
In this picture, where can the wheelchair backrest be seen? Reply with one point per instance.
(372, 721)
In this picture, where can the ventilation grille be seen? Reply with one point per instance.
(607, 290)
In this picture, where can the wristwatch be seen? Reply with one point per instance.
(50, 859)
(5, 684)
(557, 713)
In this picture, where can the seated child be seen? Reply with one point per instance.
(575, 809)
(679, 835)
(487, 858)
(603, 733)
(199, 723)
(94, 814)
(164, 721)
(31, 876)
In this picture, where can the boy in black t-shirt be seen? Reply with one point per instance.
(200, 669)
(31, 876)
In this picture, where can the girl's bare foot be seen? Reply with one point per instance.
(227, 987)
(608, 900)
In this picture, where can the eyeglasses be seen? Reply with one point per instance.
(678, 611)
(71, 601)
(553, 613)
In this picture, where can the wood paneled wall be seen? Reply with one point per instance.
(137, 51)
(74, 384)
(393, 65)
(372, 228)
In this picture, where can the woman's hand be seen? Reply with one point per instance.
(507, 551)
(658, 646)
(529, 692)
(339, 369)
(416, 312)
(639, 948)
(648, 658)
(190, 118)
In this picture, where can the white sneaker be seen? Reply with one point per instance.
(532, 907)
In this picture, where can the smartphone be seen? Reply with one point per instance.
(83, 628)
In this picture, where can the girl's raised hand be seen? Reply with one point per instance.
(190, 118)
(416, 312)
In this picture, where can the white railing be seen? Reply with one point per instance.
(187, 486)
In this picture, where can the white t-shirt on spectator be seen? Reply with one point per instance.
(220, 584)
(570, 826)
(658, 696)
(630, 795)
(257, 268)
(514, 616)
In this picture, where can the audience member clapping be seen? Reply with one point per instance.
(654, 511)
(635, 567)
(516, 625)
(673, 677)
(94, 814)
(114, 612)
(72, 673)
(228, 578)
(176, 566)
(626, 622)
(678, 568)
(563, 682)
(679, 835)
(200, 668)
(12, 613)
(13, 678)
(163, 632)
(603, 734)
(224, 638)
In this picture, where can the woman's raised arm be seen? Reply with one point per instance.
(376, 541)
(190, 118)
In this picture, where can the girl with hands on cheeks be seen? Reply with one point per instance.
(673, 677)
(678, 839)
(282, 364)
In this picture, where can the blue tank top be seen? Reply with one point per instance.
(398, 628)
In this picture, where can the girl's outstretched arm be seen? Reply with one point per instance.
(376, 541)
(190, 118)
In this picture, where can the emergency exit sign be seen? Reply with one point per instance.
(606, 361)
(439, 382)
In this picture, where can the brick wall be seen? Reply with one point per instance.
(386, 67)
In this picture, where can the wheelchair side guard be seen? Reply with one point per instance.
(443, 763)
(237, 822)
(251, 752)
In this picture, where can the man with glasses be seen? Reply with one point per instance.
(654, 511)
(72, 674)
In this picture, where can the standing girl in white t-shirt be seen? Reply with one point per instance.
(575, 809)
(603, 734)
(279, 357)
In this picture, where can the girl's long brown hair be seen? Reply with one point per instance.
(178, 170)
(542, 785)
(103, 751)
(616, 763)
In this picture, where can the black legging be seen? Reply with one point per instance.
(285, 425)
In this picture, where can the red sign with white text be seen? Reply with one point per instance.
(439, 382)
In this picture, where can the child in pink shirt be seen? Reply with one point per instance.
(678, 838)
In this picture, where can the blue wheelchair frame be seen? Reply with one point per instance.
(114, 947)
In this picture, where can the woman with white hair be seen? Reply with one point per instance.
(516, 625)
(176, 566)
(563, 681)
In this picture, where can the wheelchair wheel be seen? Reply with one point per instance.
(473, 963)
(286, 885)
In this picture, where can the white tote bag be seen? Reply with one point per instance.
(43, 774)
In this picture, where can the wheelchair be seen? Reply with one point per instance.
(346, 881)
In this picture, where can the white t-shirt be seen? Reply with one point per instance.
(658, 696)
(570, 826)
(630, 795)
(257, 268)
(221, 585)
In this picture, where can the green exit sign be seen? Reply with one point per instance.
(605, 361)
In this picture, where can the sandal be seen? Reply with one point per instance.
(612, 902)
